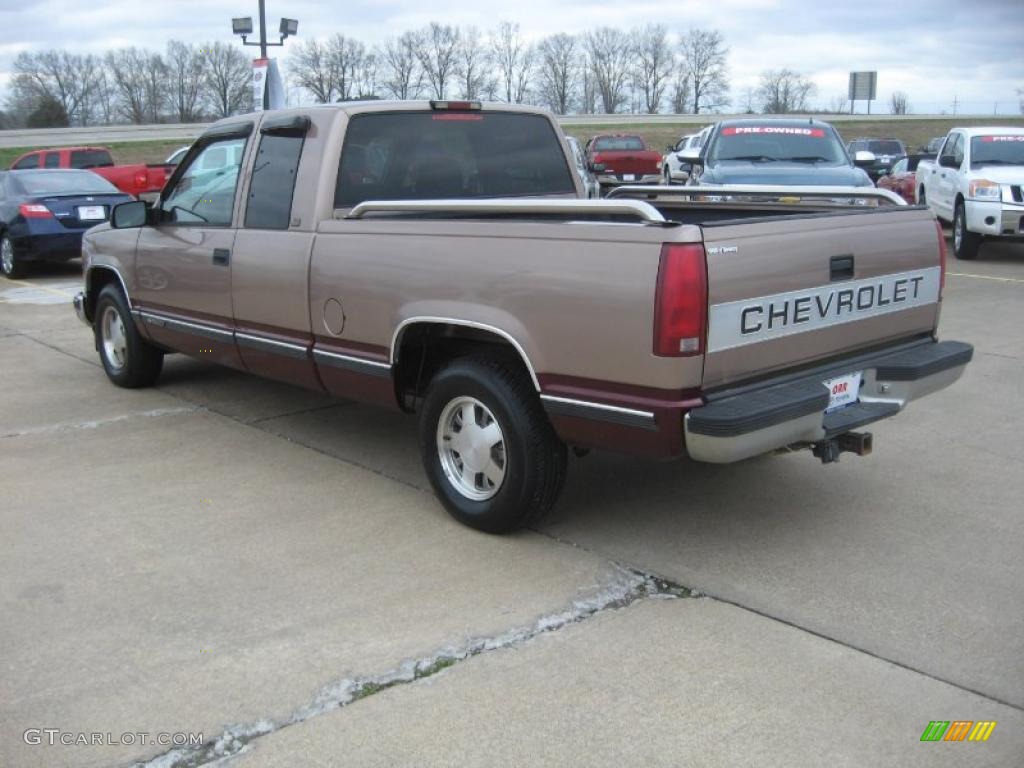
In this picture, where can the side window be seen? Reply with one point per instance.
(952, 152)
(273, 181)
(91, 158)
(32, 161)
(52, 160)
(204, 194)
(900, 167)
(958, 149)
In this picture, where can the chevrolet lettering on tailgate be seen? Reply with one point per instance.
(736, 323)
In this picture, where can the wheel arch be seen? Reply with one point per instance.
(422, 345)
(97, 278)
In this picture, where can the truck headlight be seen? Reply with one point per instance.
(983, 189)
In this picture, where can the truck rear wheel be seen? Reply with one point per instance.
(489, 451)
(965, 244)
(128, 359)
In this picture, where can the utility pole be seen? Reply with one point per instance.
(956, 102)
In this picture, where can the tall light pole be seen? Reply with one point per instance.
(243, 26)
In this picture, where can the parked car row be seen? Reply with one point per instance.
(138, 179)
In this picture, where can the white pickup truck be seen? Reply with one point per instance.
(976, 184)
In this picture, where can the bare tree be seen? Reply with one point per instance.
(155, 77)
(838, 105)
(609, 55)
(899, 103)
(403, 77)
(185, 64)
(366, 83)
(557, 71)
(436, 49)
(782, 91)
(654, 65)
(704, 56)
(588, 89)
(104, 99)
(514, 59)
(127, 67)
(227, 85)
(57, 76)
(309, 67)
(471, 65)
(680, 96)
(346, 57)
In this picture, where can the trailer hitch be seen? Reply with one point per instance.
(828, 451)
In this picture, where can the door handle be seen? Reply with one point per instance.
(840, 267)
(221, 257)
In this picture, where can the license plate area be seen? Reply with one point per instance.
(92, 213)
(843, 390)
(629, 177)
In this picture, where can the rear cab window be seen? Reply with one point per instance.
(449, 154)
(52, 160)
(91, 158)
(29, 161)
(619, 144)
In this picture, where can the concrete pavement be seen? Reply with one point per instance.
(225, 554)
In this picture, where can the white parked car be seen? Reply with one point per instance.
(674, 168)
(590, 182)
(976, 182)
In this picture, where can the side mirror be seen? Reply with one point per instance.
(129, 215)
(863, 157)
(691, 155)
(597, 167)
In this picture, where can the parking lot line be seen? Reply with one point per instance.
(986, 277)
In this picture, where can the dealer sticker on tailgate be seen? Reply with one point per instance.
(842, 390)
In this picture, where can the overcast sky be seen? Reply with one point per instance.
(931, 49)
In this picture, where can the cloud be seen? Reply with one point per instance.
(932, 49)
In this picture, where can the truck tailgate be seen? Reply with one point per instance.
(789, 291)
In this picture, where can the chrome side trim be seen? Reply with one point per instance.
(396, 337)
(661, 191)
(350, 363)
(124, 286)
(206, 331)
(273, 346)
(586, 409)
(643, 211)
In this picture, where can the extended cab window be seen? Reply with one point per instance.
(31, 161)
(432, 155)
(52, 160)
(273, 181)
(204, 194)
(91, 158)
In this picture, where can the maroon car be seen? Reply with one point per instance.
(623, 159)
(901, 178)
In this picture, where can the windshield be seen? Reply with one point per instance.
(768, 143)
(997, 150)
(619, 144)
(42, 183)
(436, 155)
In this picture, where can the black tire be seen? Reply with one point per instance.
(965, 244)
(533, 458)
(141, 362)
(921, 199)
(667, 175)
(11, 267)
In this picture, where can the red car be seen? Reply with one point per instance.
(902, 177)
(139, 180)
(623, 159)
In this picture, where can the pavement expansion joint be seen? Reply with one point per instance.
(630, 586)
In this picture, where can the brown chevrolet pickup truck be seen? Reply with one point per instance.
(437, 257)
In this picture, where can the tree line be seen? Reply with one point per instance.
(605, 70)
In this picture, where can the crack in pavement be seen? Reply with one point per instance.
(71, 426)
(631, 587)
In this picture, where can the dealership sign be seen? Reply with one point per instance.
(267, 83)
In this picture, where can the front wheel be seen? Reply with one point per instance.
(965, 244)
(128, 359)
(489, 451)
(667, 174)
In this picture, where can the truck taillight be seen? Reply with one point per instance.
(31, 211)
(141, 179)
(942, 257)
(681, 301)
